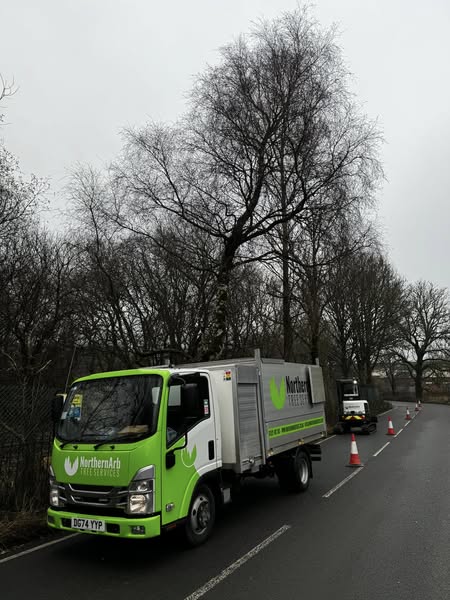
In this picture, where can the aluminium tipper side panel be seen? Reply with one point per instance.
(236, 388)
(223, 382)
(250, 433)
(293, 404)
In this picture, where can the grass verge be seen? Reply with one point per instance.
(18, 529)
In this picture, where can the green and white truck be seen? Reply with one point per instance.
(140, 451)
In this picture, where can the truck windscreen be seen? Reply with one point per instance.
(116, 408)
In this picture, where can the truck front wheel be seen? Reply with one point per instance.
(201, 517)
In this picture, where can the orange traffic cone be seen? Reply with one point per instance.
(420, 404)
(354, 456)
(408, 416)
(390, 430)
(417, 407)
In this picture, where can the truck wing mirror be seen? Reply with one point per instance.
(170, 456)
(170, 459)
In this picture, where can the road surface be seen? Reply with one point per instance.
(380, 532)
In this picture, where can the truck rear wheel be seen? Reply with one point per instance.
(201, 517)
(302, 470)
(294, 472)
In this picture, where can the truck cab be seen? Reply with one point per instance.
(130, 449)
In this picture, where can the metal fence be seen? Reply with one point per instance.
(24, 475)
(26, 434)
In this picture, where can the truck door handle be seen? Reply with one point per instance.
(211, 453)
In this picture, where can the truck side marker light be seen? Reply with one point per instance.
(354, 456)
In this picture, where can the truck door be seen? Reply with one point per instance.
(190, 447)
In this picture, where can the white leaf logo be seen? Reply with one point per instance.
(71, 468)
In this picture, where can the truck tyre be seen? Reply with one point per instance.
(201, 516)
(294, 472)
(282, 469)
(302, 471)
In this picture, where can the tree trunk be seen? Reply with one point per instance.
(287, 318)
(419, 388)
(418, 381)
(314, 341)
(213, 342)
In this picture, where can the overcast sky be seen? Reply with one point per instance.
(87, 68)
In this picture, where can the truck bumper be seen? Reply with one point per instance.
(114, 526)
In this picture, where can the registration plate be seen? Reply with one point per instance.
(88, 524)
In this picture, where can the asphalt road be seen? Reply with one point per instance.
(383, 534)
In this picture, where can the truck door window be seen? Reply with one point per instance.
(188, 405)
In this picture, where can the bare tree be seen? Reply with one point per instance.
(330, 230)
(253, 320)
(6, 88)
(142, 297)
(18, 198)
(270, 129)
(392, 367)
(425, 331)
(34, 285)
(365, 312)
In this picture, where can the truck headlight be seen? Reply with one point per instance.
(139, 504)
(54, 495)
(54, 490)
(141, 492)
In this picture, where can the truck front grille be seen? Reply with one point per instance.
(89, 498)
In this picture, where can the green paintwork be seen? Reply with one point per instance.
(278, 395)
(188, 458)
(152, 524)
(80, 463)
(179, 481)
(289, 428)
(178, 484)
(116, 464)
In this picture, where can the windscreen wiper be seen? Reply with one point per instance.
(68, 442)
(115, 440)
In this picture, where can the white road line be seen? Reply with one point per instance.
(343, 482)
(238, 563)
(36, 548)
(381, 449)
(398, 433)
(407, 423)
